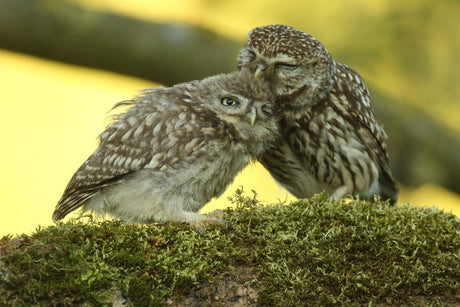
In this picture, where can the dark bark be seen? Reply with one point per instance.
(62, 31)
(421, 148)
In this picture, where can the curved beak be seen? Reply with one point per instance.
(260, 68)
(251, 115)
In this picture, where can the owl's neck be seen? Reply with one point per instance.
(302, 99)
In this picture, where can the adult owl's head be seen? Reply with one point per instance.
(294, 63)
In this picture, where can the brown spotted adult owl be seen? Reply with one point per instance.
(331, 139)
(173, 150)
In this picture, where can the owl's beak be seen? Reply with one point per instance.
(260, 68)
(251, 115)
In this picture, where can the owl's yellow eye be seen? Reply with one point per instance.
(226, 101)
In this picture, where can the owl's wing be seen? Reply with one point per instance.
(144, 137)
(355, 100)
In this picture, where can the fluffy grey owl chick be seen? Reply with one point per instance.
(332, 140)
(173, 150)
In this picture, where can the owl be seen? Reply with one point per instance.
(331, 139)
(173, 150)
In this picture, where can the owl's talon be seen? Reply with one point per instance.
(339, 193)
(217, 213)
(200, 226)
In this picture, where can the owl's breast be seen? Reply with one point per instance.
(209, 172)
(290, 170)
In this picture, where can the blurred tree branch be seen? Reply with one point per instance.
(63, 31)
(422, 150)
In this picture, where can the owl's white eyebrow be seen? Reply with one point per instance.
(281, 57)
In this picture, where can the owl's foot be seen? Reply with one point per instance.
(339, 193)
(199, 221)
(216, 214)
(213, 218)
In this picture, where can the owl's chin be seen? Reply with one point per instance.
(290, 96)
(301, 99)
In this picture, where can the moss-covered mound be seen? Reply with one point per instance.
(311, 252)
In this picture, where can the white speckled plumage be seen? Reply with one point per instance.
(173, 150)
(332, 140)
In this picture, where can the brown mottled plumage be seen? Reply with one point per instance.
(174, 149)
(332, 140)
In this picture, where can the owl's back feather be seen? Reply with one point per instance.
(357, 103)
(120, 153)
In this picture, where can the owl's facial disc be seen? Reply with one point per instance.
(250, 113)
(283, 72)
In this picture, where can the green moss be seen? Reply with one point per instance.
(358, 252)
(312, 252)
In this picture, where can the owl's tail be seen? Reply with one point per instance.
(388, 187)
(70, 202)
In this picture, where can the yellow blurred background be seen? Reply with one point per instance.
(52, 113)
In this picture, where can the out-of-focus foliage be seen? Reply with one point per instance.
(165, 53)
(406, 51)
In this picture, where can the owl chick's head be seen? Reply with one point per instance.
(293, 62)
(239, 102)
